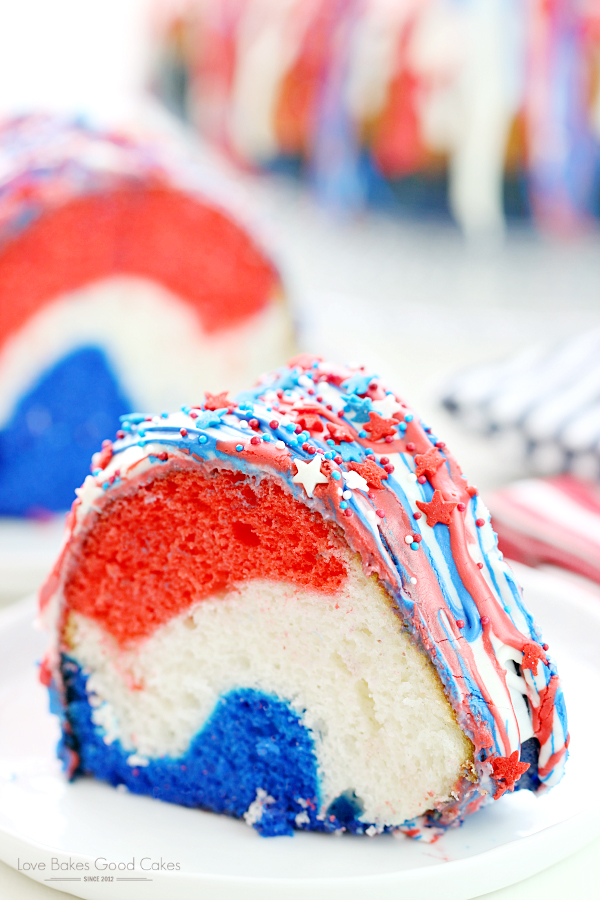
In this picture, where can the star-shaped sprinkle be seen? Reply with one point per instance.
(532, 653)
(354, 482)
(350, 452)
(387, 407)
(338, 434)
(309, 475)
(206, 420)
(358, 384)
(438, 509)
(371, 472)
(507, 770)
(428, 463)
(360, 406)
(216, 401)
(380, 427)
(309, 419)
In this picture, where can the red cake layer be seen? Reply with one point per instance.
(194, 250)
(187, 534)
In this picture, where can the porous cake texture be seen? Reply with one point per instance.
(291, 608)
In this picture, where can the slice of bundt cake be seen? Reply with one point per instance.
(291, 608)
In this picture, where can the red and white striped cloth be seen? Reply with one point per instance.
(550, 520)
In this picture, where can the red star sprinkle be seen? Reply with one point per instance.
(380, 427)
(428, 463)
(309, 419)
(105, 455)
(438, 509)
(338, 434)
(507, 770)
(216, 401)
(371, 472)
(532, 653)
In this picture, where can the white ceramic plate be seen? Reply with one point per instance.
(42, 818)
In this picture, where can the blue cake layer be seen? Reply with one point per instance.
(251, 741)
(46, 446)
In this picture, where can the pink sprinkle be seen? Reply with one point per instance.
(255, 440)
(273, 423)
(319, 399)
(440, 444)
(120, 434)
(298, 429)
(311, 449)
(485, 620)
(338, 459)
(329, 407)
(348, 512)
(389, 468)
(341, 413)
(380, 513)
(410, 446)
(384, 460)
(311, 392)
(421, 479)
(388, 439)
(480, 565)
(460, 623)
(254, 423)
(417, 538)
(461, 507)
(417, 515)
(545, 647)
(183, 432)
(193, 415)
(305, 446)
(480, 522)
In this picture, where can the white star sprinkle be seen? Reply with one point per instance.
(354, 481)
(387, 407)
(309, 475)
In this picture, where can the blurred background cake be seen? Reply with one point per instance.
(478, 109)
(126, 283)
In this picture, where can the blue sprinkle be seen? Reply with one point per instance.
(335, 475)
(414, 546)
(266, 437)
(141, 433)
(290, 426)
(362, 434)
(402, 426)
(329, 455)
(164, 415)
(239, 447)
(105, 485)
(343, 505)
(369, 452)
(135, 418)
(408, 417)
(96, 472)
(202, 439)
(330, 443)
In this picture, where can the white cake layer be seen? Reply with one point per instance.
(153, 339)
(379, 718)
